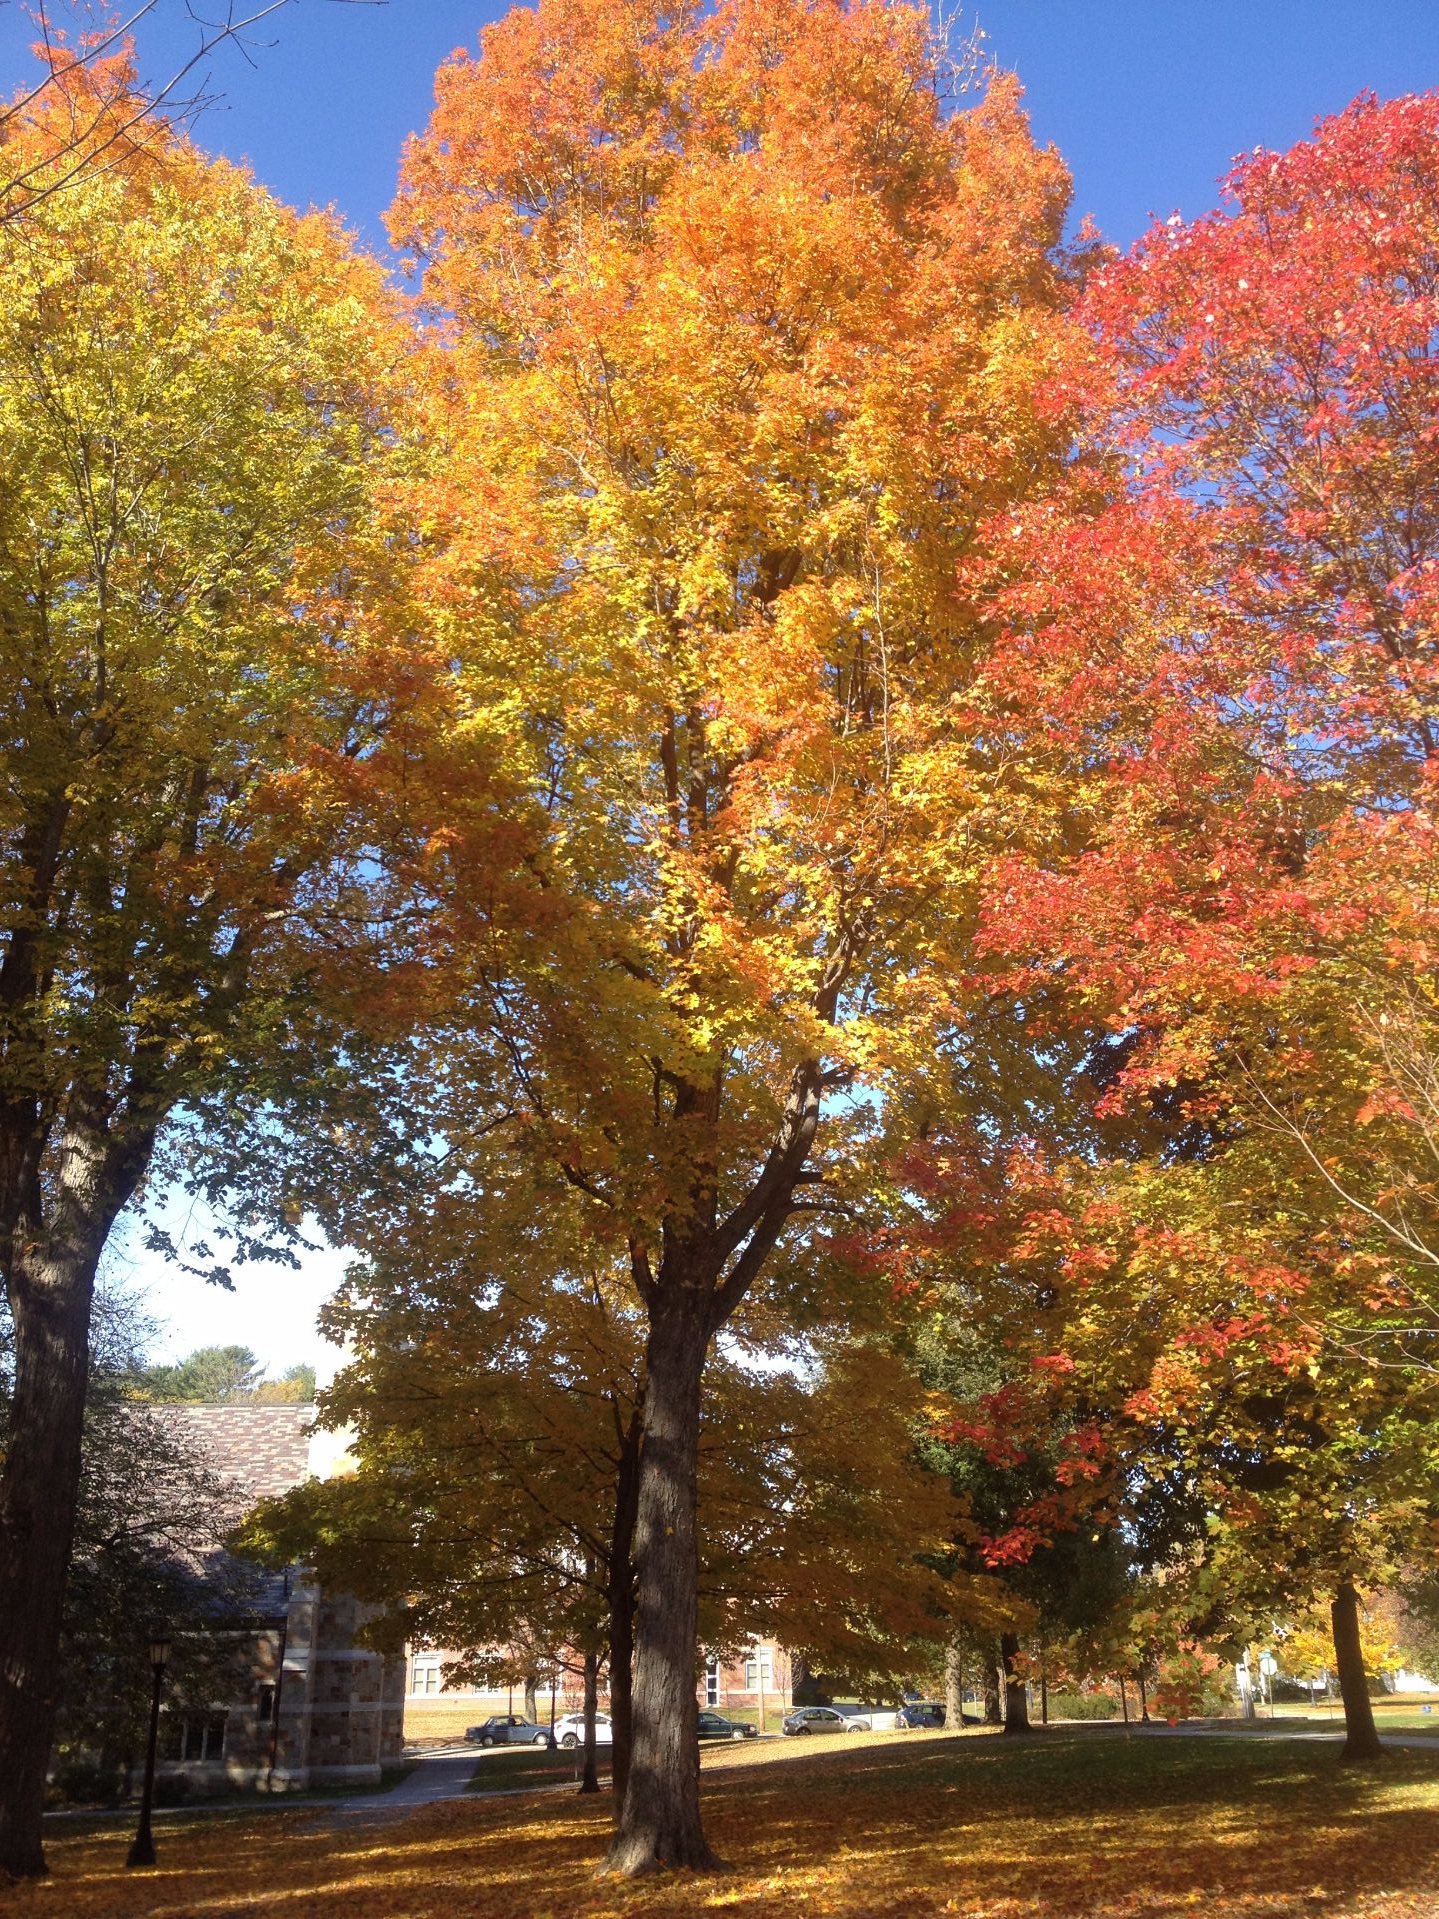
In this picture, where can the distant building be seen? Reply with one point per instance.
(757, 1685)
(309, 1707)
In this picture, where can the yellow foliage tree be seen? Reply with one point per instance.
(193, 387)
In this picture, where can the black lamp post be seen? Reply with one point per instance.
(553, 1742)
(142, 1852)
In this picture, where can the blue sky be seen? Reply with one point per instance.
(1149, 100)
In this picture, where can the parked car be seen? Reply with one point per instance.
(505, 1729)
(714, 1725)
(919, 1712)
(824, 1719)
(570, 1731)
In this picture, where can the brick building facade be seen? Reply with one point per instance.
(758, 1686)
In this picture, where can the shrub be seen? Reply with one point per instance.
(1083, 1705)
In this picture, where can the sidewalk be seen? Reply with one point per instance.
(1277, 1729)
(439, 1775)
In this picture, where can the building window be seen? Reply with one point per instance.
(712, 1683)
(759, 1670)
(265, 1705)
(425, 1673)
(196, 1738)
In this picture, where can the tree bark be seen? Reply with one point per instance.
(954, 1684)
(51, 1289)
(532, 1697)
(992, 1715)
(1361, 1736)
(659, 1823)
(1016, 1694)
(620, 1595)
(591, 1779)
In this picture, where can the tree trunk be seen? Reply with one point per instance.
(620, 1594)
(1043, 1692)
(659, 1823)
(532, 1697)
(954, 1684)
(992, 1716)
(1016, 1695)
(1361, 1736)
(1143, 1697)
(51, 1289)
(591, 1780)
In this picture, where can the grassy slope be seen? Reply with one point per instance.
(1069, 1823)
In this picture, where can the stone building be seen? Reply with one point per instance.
(308, 1706)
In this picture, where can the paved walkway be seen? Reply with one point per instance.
(445, 1774)
(1276, 1729)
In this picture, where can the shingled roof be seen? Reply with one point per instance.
(263, 1449)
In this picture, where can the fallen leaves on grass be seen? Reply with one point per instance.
(1092, 1824)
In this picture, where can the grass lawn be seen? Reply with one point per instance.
(1388, 1718)
(1069, 1823)
(513, 1766)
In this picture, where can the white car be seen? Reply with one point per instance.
(570, 1731)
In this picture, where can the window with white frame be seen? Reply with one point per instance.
(712, 1682)
(195, 1738)
(425, 1673)
(759, 1670)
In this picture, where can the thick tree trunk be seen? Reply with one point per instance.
(532, 1697)
(659, 1823)
(954, 1684)
(1016, 1694)
(1361, 1736)
(621, 1598)
(51, 1290)
(591, 1780)
(992, 1714)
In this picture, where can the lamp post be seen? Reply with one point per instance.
(554, 1676)
(142, 1852)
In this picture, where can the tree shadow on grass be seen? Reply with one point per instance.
(1133, 1830)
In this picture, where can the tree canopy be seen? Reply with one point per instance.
(804, 813)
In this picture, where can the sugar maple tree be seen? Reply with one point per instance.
(1229, 837)
(193, 382)
(493, 1409)
(739, 329)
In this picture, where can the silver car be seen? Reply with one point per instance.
(824, 1719)
(505, 1729)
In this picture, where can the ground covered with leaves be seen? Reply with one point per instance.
(1070, 1822)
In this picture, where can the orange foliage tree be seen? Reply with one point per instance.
(737, 332)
